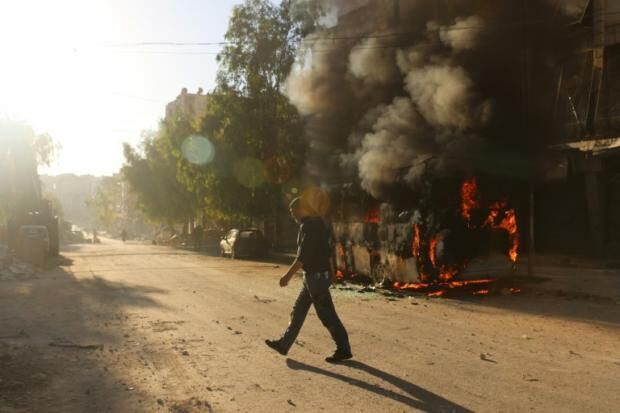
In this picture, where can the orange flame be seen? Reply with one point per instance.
(433, 250)
(469, 198)
(415, 248)
(447, 273)
(508, 223)
(410, 286)
(442, 288)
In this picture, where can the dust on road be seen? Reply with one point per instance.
(137, 328)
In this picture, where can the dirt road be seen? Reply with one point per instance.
(137, 328)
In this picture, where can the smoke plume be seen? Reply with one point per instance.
(387, 86)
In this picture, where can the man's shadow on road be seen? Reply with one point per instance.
(420, 399)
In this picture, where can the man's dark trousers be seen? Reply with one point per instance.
(316, 291)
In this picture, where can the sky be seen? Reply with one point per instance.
(73, 69)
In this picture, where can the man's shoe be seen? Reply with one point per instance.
(339, 356)
(277, 346)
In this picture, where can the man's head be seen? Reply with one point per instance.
(313, 202)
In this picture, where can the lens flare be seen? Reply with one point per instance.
(316, 200)
(250, 172)
(198, 150)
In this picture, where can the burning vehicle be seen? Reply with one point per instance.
(431, 249)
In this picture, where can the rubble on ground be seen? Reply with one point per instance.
(11, 268)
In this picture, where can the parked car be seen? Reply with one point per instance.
(243, 243)
(211, 239)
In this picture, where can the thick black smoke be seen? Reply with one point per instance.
(393, 86)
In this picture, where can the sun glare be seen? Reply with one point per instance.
(58, 75)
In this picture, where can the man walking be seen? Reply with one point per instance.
(314, 257)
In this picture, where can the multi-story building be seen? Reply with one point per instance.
(588, 103)
(190, 105)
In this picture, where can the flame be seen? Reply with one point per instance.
(415, 248)
(410, 286)
(373, 216)
(339, 275)
(500, 216)
(469, 198)
(433, 250)
(441, 289)
(509, 223)
(447, 273)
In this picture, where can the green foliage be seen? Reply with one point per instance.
(151, 173)
(257, 133)
(262, 40)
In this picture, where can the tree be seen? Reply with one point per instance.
(151, 174)
(46, 149)
(256, 133)
(250, 127)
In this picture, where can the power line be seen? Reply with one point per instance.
(317, 37)
(129, 96)
(164, 52)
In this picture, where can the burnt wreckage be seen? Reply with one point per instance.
(450, 232)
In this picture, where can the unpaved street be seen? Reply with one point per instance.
(140, 328)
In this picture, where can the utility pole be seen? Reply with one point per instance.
(598, 64)
(526, 85)
(594, 165)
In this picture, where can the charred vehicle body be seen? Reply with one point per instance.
(463, 236)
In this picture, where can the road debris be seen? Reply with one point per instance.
(484, 357)
(264, 300)
(289, 401)
(70, 344)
